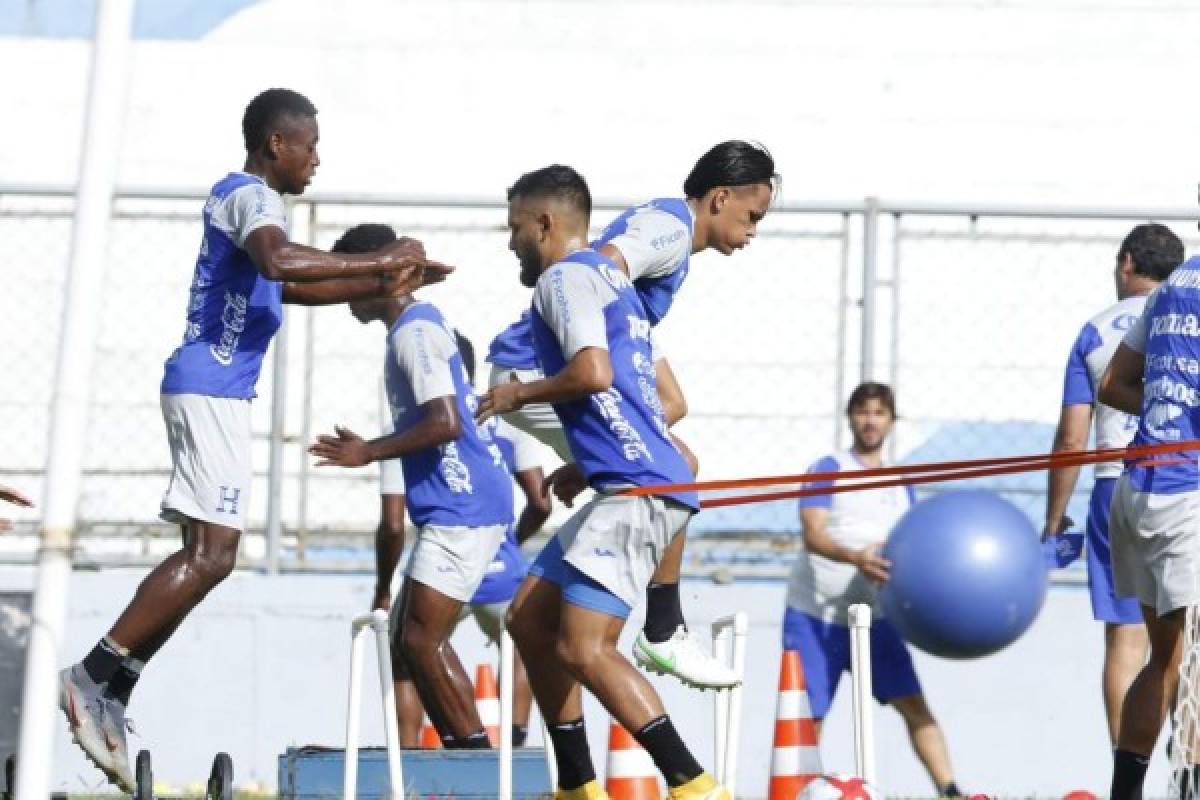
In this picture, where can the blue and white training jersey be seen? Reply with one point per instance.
(655, 239)
(1168, 334)
(460, 483)
(820, 586)
(618, 437)
(1089, 357)
(233, 311)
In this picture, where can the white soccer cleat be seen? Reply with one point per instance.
(115, 726)
(683, 657)
(84, 704)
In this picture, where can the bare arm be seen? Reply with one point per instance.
(1071, 435)
(674, 404)
(537, 504)
(389, 544)
(11, 495)
(814, 522)
(440, 424)
(280, 260)
(588, 372)
(1121, 385)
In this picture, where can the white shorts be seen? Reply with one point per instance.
(209, 438)
(539, 420)
(618, 541)
(452, 560)
(1154, 547)
(391, 476)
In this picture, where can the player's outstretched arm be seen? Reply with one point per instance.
(537, 503)
(440, 424)
(589, 371)
(344, 290)
(1071, 435)
(280, 260)
(1121, 385)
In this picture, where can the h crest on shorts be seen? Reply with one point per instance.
(229, 500)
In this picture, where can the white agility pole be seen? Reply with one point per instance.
(727, 714)
(99, 156)
(507, 665)
(860, 672)
(551, 761)
(376, 621)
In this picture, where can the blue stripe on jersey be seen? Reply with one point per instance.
(656, 293)
(618, 437)
(232, 314)
(464, 482)
(513, 346)
(1171, 394)
(826, 464)
(1077, 383)
(507, 568)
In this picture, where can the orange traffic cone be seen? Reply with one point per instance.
(795, 760)
(631, 774)
(430, 740)
(487, 702)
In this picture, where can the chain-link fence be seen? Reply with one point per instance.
(969, 312)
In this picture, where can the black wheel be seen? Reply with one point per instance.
(220, 782)
(144, 776)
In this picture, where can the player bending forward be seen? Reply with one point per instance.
(592, 338)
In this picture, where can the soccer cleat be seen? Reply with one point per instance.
(683, 657)
(82, 700)
(589, 791)
(702, 787)
(114, 727)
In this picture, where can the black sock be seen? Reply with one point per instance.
(519, 734)
(120, 686)
(950, 790)
(670, 754)
(472, 741)
(571, 752)
(1129, 771)
(664, 613)
(104, 660)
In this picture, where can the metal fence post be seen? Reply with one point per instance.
(870, 249)
(277, 433)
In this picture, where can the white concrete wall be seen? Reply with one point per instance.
(263, 664)
(1056, 101)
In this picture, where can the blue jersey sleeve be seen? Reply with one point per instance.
(826, 464)
(1078, 389)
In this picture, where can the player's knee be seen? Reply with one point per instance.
(211, 566)
(521, 626)
(579, 655)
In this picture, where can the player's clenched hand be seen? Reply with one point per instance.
(567, 483)
(347, 449)
(500, 399)
(872, 564)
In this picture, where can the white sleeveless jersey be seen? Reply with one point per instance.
(825, 588)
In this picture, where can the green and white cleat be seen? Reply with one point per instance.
(682, 657)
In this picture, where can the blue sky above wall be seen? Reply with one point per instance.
(153, 19)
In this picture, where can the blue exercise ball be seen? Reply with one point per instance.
(968, 576)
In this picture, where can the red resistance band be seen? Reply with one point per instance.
(913, 474)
